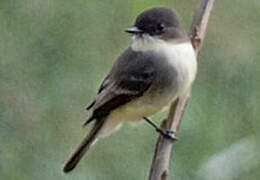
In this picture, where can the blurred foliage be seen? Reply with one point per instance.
(53, 57)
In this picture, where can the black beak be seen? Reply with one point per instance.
(134, 30)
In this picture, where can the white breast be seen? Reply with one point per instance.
(179, 54)
(183, 58)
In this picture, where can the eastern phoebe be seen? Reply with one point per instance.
(158, 67)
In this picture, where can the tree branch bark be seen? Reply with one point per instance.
(161, 160)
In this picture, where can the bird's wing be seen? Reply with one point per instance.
(103, 85)
(129, 78)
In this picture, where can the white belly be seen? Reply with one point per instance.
(182, 57)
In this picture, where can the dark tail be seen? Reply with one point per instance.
(84, 146)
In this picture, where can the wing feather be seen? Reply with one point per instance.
(130, 77)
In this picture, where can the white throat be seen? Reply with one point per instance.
(145, 43)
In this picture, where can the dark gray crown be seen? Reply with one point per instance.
(155, 20)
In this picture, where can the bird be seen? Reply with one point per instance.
(158, 67)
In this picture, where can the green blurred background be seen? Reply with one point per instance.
(53, 57)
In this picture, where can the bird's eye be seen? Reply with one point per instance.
(160, 27)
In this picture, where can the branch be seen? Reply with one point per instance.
(160, 165)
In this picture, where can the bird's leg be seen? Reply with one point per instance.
(167, 133)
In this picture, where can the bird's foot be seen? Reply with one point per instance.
(167, 133)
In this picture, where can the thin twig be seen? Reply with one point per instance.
(160, 165)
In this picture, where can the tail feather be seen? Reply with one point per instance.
(84, 146)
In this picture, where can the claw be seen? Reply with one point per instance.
(168, 134)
